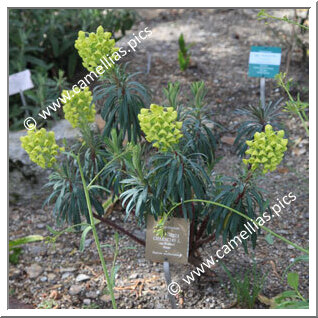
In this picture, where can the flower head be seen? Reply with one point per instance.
(94, 47)
(267, 149)
(41, 147)
(160, 126)
(78, 110)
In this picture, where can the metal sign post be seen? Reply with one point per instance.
(166, 270)
(262, 91)
(24, 102)
(264, 61)
(173, 248)
(20, 82)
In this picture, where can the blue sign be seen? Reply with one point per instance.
(264, 61)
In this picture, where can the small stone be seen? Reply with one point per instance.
(75, 289)
(40, 226)
(82, 278)
(228, 140)
(65, 275)
(91, 294)
(133, 276)
(43, 279)
(106, 298)
(34, 270)
(88, 242)
(51, 277)
(279, 231)
(86, 301)
(209, 290)
(67, 269)
(37, 250)
(190, 294)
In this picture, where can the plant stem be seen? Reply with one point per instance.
(119, 228)
(100, 253)
(68, 229)
(108, 163)
(244, 216)
(304, 115)
(285, 19)
(299, 294)
(303, 122)
(297, 110)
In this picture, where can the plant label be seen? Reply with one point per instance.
(174, 246)
(20, 82)
(264, 61)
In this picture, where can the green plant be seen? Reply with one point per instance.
(160, 126)
(289, 299)
(15, 251)
(197, 126)
(115, 172)
(183, 54)
(91, 306)
(199, 137)
(296, 36)
(15, 255)
(302, 258)
(264, 15)
(47, 304)
(114, 269)
(257, 118)
(41, 147)
(295, 107)
(122, 99)
(172, 93)
(168, 174)
(95, 46)
(176, 177)
(80, 109)
(110, 279)
(69, 196)
(240, 197)
(246, 285)
(267, 149)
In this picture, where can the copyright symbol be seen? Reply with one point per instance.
(29, 123)
(174, 288)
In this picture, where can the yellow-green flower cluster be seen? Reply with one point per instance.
(94, 47)
(267, 149)
(41, 147)
(78, 110)
(160, 126)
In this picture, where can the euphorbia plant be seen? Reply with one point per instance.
(172, 164)
(266, 152)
